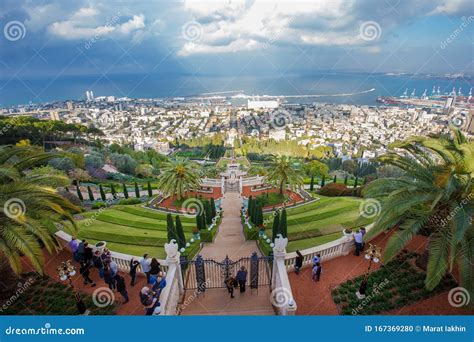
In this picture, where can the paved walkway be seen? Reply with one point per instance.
(230, 241)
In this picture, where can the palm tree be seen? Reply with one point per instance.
(28, 206)
(282, 173)
(435, 196)
(178, 176)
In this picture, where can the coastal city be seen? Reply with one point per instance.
(352, 131)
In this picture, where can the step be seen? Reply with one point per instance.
(235, 312)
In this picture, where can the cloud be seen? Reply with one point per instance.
(84, 24)
(251, 24)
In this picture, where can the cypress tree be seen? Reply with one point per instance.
(283, 224)
(102, 193)
(91, 195)
(204, 219)
(79, 193)
(259, 216)
(311, 185)
(112, 190)
(125, 191)
(250, 207)
(213, 208)
(335, 179)
(198, 222)
(170, 228)
(355, 183)
(276, 225)
(137, 191)
(150, 192)
(345, 180)
(207, 210)
(323, 181)
(180, 233)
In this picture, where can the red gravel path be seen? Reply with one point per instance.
(314, 298)
(168, 202)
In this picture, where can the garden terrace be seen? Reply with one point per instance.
(316, 298)
(174, 204)
(320, 221)
(131, 230)
(274, 198)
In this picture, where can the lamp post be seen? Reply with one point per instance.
(66, 270)
(373, 254)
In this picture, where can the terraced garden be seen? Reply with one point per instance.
(130, 229)
(321, 221)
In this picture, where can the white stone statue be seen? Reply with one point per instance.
(280, 244)
(171, 249)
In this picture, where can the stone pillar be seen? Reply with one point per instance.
(173, 260)
(281, 287)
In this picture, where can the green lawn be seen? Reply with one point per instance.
(273, 198)
(321, 221)
(130, 229)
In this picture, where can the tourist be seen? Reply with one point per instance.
(316, 259)
(242, 278)
(106, 256)
(84, 270)
(159, 284)
(113, 268)
(109, 280)
(317, 271)
(74, 246)
(88, 253)
(80, 250)
(121, 287)
(298, 262)
(155, 269)
(358, 240)
(145, 265)
(98, 263)
(363, 231)
(133, 270)
(148, 300)
(231, 283)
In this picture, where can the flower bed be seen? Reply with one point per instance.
(394, 285)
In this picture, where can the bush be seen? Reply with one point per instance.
(98, 205)
(129, 201)
(335, 189)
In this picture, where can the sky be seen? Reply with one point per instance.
(51, 38)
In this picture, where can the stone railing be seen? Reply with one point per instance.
(174, 288)
(340, 247)
(122, 260)
(251, 181)
(211, 182)
(281, 296)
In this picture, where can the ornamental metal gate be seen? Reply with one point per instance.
(202, 274)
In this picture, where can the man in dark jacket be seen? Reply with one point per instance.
(121, 287)
(133, 270)
(242, 278)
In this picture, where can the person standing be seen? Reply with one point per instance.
(317, 272)
(358, 240)
(113, 268)
(145, 265)
(242, 278)
(98, 263)
(109, 280)
(133, 270)
(230, 283)
(84, 270)
(316, 259)
(298, 262)
(155, 269)
(88, 253)
(80, 250)
(121, 287)
(74, 246)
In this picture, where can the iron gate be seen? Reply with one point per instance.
(202, 274)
